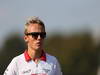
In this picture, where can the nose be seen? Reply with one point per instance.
(39, 37)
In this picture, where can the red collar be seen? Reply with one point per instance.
(28, 58)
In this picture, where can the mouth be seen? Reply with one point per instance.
(39, 43)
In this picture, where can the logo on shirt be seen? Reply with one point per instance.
(26, 71)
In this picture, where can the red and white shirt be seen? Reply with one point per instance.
(24, 65)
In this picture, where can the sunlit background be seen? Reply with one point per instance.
(73, 32)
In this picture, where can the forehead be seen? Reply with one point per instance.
(35, 28)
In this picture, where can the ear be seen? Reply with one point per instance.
(26, 38)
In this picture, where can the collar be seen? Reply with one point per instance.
(28, 58)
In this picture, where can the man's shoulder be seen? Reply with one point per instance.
(18, 58)
(51, 58)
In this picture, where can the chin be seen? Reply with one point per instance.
(38, 48)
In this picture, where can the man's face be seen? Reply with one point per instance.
(34, 41)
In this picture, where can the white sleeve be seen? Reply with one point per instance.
(58, 69)
(11, 69)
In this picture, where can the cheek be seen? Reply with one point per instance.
(31, 42)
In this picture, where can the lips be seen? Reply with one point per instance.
(38, 43)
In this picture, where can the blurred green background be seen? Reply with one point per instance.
(77, 53)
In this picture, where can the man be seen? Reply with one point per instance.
(34, 61)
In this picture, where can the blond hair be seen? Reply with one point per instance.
(33, 20)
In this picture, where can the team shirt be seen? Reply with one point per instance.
(24, 65)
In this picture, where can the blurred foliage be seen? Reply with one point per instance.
(77, 53)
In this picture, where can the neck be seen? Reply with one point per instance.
(34, 54)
